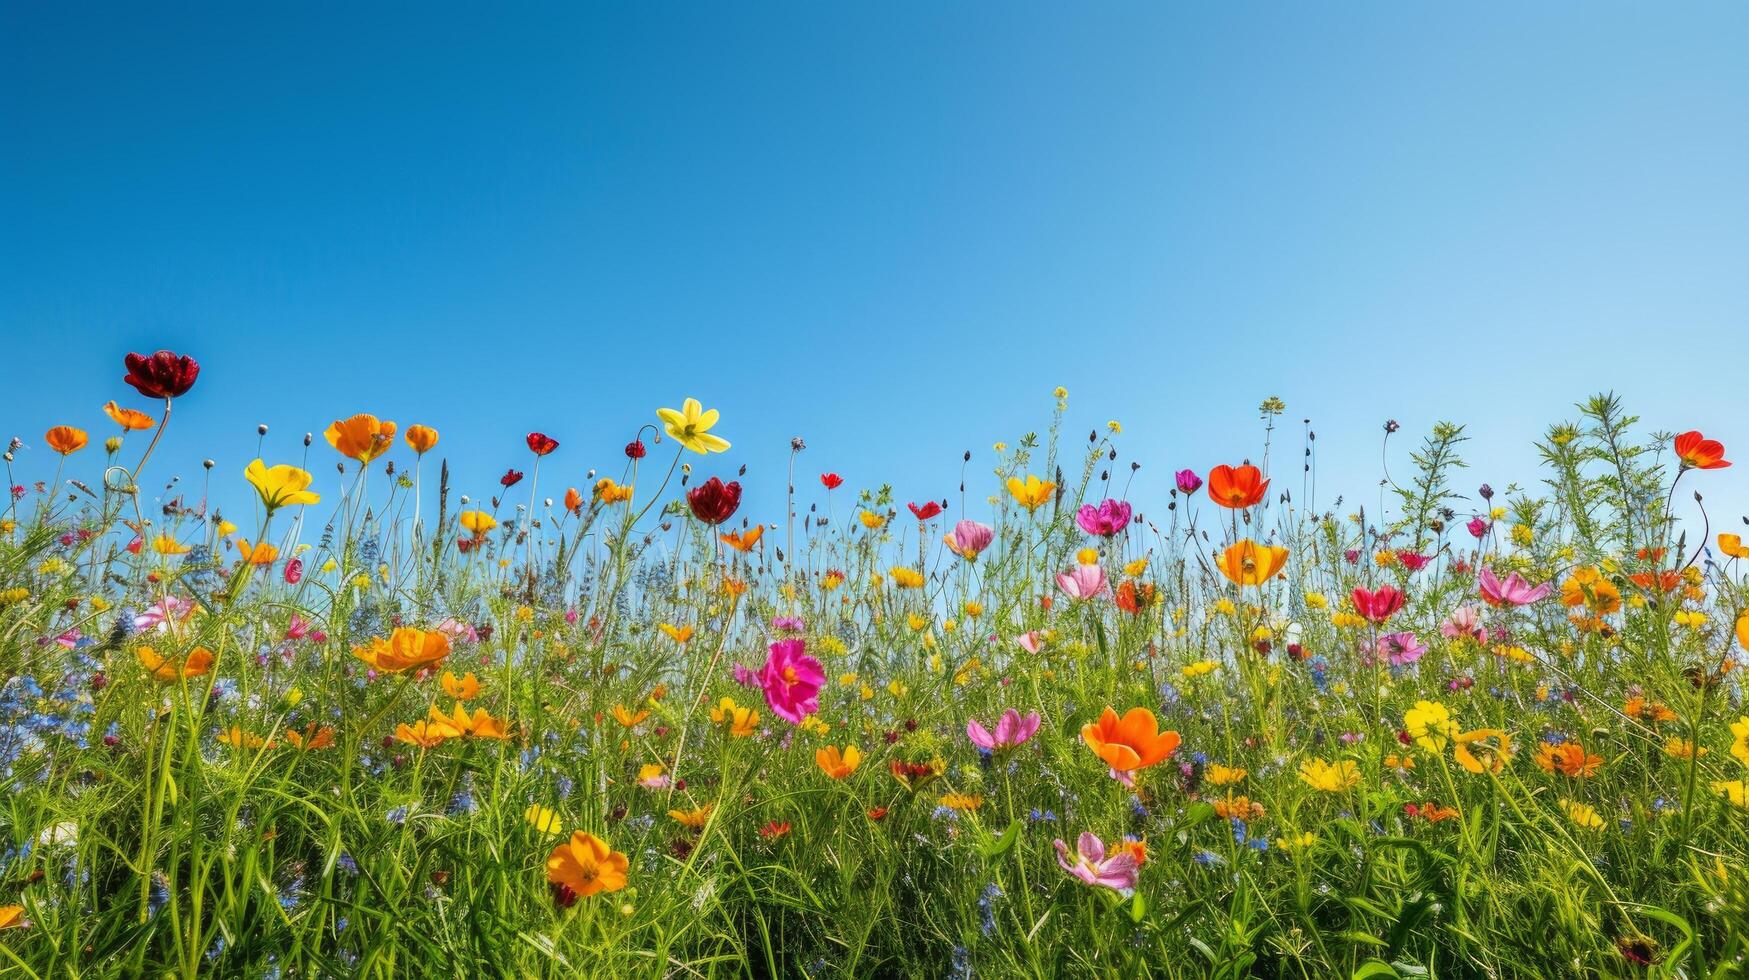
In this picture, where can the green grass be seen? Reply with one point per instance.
(138, 843)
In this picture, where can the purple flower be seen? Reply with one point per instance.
(1105, 520)
(1188, 482)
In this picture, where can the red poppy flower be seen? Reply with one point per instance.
(925, 512)
(878, 813)
(540, 443)
(1380, 605)
(511, 478)
(774, 830)
(1700, 453)
(161, 375)
(1237, 487)
(831, 481)
(714, 501)
(635, 449)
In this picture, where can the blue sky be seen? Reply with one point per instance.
(891, 229)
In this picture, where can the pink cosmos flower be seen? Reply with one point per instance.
(1092, 867)
(792, 681)
(968, 539)
(745, 676)
(1188, 482)
(1401, 649)
(1105, 520)
(170, 609)
(1478, 528)
(298, 628)
(455, 629)
(1082, 582)
(1030, 641)
(1011, 731)
(1515, 591)
(1463, 621)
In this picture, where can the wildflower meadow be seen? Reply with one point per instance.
(604, 719)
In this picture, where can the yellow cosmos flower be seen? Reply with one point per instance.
(691, 427)
(167, 670)
(695, 818)
(1583, 815)
(543, 820)
(741, 722)
(1329, 777)
(1740, 747)
(1032, 492)
(463, 688)
(259, 554)
(585, 865)
(1430, 724)
(164, 544)
(281, 486)
(1483, 750)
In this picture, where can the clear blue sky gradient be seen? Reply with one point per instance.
(891, 229)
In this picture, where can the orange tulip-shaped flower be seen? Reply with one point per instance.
(1700, 453)
(361, 437)
(421, 438)
(406, 648)
(836, 764)
(744, 541)
(1130, 744)
(1237, 487)
(129, 419)
(584, 866)
(65, 439)
(1249, 563)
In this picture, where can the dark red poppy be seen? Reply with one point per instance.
(925, 512)
(540, 443)
(511, 478)
(563, 896)
(1380, 605)
(635, 449)
(831, 481)
(161, 375)
(714, 501)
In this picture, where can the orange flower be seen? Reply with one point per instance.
(584, 866)
(261, 553)
(1732, 545)
(573, 500)
(1130, 744)
(480, 724)
(625, 716)
(1248, 563)
(12, 917)
(237, 738)
(129, 419)
(744, 541)
(1483, 750)
(463, 688)
(198, 662)
(426, 734)
(65, 439)
(1568, 758)
(361, 437)
(1237, 488)
(1697, 452)
(405, 648)
(835, 764)
(1638, 707)
(420, 437)
(311, 738)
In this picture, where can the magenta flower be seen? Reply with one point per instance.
(745, 676)
(1083, 581)
(1188, 482)
(1105, 520)
(1478, 528)
(1515, 591)
(1092, 867)
(968, 539)
(1412, 561)
(1011, 731)
(792, 681)
(1401, 649)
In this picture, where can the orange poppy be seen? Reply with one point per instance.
(1237, 487)
(744, 541)
(65, 439)
(361, 437)
(1129, 744)
(420, 437)
(129, 419)
(573, 500)
(405, 648)
(1248, 563)
(311, 738)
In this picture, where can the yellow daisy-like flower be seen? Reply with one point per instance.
(1330, 777)
(691, 427)
(1430, 724)
(281, 486)
(1583, 815)
(1032, 492)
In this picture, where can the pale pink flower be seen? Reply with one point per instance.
(1514, 591)
(1011, 730)
(1082, 582)
(1093, 867)
(968, 539)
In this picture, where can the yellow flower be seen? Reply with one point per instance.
(1248, 563)
(463, 688)
(907, 578)
(679, 634)
(741, 722)
(1737, 791)
(609, 492)
(1583, 815)
(539, 817)
(585, 865)
(1135, 568)
(695, 818)
(1032, 493)
(198, 663)
(1483, 750)
(164, 544)
(477, 521)
(691, 427)
(1219, 775)
(1199, 668)
(361, 437)
(261, 553)
(1298, 843)
(962, 801)
(1677, 747)
(871, 520)
(630, 719)
(1430, 724)
(974, 609)
(281, 486)
(1327, 777)
(1740, 747)
(129, 419)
